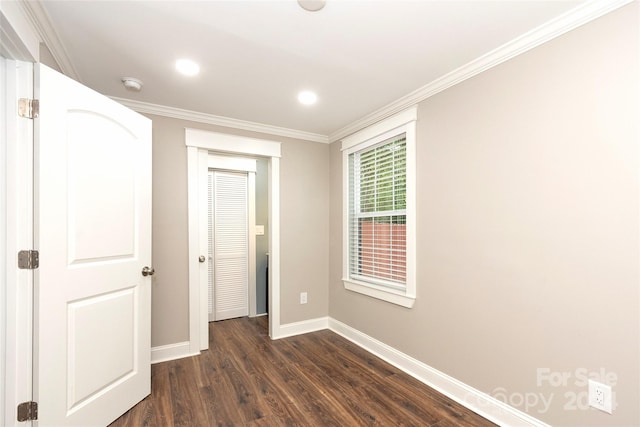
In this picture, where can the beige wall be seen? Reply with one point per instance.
(170, 297)
(304, 170)
(47, 58)
(304, 226)
(528, 233)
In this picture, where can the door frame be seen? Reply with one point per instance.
(199, 144)
(17, 193)
(20, 46)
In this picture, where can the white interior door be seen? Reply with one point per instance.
(93, 231)
(229, 248)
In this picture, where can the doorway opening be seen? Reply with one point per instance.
(201, 145)
(228, 242)
(236, 196)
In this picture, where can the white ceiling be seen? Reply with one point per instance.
(255, 56)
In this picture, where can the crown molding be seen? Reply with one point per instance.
(564, 23)
(39, 19)
(178, 113)
(572, 19)
(18, 38)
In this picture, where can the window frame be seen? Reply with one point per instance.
(403, 122)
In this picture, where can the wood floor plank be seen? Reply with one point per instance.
(185, 397)
(365, 377)
(269, 378)
(339, 384)
(160, 395)
(317, 379)
(219, 404)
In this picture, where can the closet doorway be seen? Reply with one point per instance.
(200, 146)
(231, 237)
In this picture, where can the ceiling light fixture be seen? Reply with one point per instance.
(187, 67)
(312, 5)
(132, 84)
(307, 97)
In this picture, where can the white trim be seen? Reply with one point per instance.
(226, 143)
(164, 353)
(385, 294)
(274, 247)
(564, 23)
(41, 22)
(18, 38)
(303, 327)
(469, 397)
(5, 100)
(198, 338)
(18, 380)
(179, 113)
(18, 42)
(380, 129)
(203, 242)
(231, 163)
(199, 143)
(251, 177)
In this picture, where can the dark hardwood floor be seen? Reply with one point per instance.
(316, 379)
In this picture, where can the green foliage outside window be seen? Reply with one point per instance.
(383, 179)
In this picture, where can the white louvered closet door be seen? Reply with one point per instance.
(228, 245)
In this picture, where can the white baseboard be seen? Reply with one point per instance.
(480, 403)
(164, 353)
(303, 327)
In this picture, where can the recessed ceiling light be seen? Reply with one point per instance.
(307, 97)
(187, 67)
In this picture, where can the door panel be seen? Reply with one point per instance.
(112, 156)
(93, 204)
(86, 322)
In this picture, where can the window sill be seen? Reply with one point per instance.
(389, 295)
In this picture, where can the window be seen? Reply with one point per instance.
(379, 216)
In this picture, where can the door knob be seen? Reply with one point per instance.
(146, 271)
(202, 258)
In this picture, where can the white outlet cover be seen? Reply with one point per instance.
(600, 396)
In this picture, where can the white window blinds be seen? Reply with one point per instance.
(377, 213)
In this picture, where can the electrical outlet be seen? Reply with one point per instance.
(303, 297)
(600, 396)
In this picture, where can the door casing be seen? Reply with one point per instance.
(16, 192)
(19, 45)
(199, 144)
